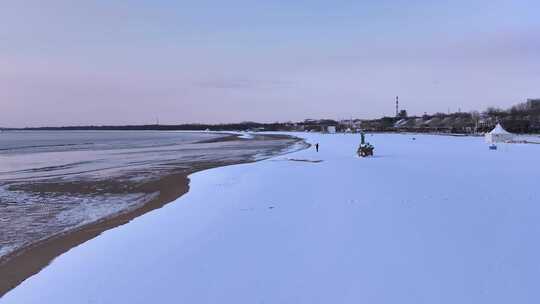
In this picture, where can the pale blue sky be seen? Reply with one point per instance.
(118, 62)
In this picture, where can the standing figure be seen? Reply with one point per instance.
(317, 147)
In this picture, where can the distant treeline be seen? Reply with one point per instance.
(520, 118)
(181, 127)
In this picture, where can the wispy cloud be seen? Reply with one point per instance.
(241, 84)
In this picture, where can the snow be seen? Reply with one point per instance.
(430, 220)
(246, 136)
(535, 139)
(400, 123)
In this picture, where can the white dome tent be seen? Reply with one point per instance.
(499, 134)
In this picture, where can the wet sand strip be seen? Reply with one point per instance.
(25, 262)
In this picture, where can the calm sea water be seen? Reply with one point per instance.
(49, 141)
(45, 154)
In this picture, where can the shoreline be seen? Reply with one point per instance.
(24, 262)
(289, 231)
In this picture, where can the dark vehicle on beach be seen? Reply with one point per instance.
(365, 149)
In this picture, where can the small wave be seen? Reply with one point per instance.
(44, 146)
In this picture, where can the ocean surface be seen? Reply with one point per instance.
(54, 181)
(48, 141)
(45, 154)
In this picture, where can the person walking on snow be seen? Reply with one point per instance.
(317, 147)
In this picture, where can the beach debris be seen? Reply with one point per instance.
(305, 160)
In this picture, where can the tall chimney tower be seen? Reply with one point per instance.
(397, 106)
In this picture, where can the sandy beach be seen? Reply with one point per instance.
(270, 152)
(432, 219)
(166, 185)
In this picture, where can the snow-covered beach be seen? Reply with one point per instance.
(59, 189)
(436, 219)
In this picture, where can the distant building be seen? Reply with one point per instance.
(402, 114)
(331, 129)
(299, 128)
(533, 104)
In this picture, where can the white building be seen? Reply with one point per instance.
(331, 129)
(498, 134)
